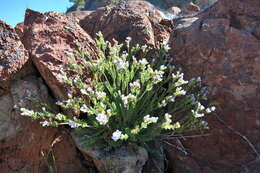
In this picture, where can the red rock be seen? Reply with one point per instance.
(222, 48)
(191, 7)
(12, 53)
(145, 8)
(19, 29)
(79, 14)
(121, 22)
(174, 10)
(49, 38)
(22, 140)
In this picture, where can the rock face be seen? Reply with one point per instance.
(12, 54)
(117, 161)
(50, 38)
(222, 48)
(22, 140)
(129, 23)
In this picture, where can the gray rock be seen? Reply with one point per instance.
(118, 161)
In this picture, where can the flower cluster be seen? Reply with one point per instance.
(131, 99)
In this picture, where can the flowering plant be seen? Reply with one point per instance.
(130, 100)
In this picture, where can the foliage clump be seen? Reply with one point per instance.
(131, 99)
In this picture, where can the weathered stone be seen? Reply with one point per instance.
(19, 29)
(79, 14)
(192, 7)
(117, 161)
(155, 162)
(175, 10)
(50, 38)
(222, 48)
(12, 54)
(6, 107)
(145, 8)
(119, 23)
(22, 141)
(203, 4)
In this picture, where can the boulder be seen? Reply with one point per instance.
(119, 22)
(79, 15)
(12, 54)
(222, 47)
(50, 39)
(145, 8)
(25, 146)
(120, 160)
(175, 10)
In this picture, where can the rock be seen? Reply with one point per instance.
(50, 38)
(222, 48)
(117, 161)
(174, 10)
(22, 140)
(79, 14)
(192, 7)
(203, 4)
(12, 54)
(145, 8)
(19, 29)
(119, 23)
(6, 126)
(155, 162)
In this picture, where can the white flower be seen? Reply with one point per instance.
(196, 114)
(44, 123)
(102, 119)
(135, 84)
(157, 78)
(26, 112)
(90, 90)
(180, 91)
(120, 64)
(128, 38)
(143, 61)
(144, 47)
(59, 103)
(168, 117)
(163, 67)
(84, 108)
(166, 47)
(100, 95)
(73, 124)
(200, 106)
(177, 75)
(149, 119)
(116, 135)
(125, 99)
(181, 81)
(59, 116)
(211, 109)
(170, 98)
(69, 95)
(164, 103)
(83, 91)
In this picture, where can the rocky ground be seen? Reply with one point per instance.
(219, 43)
